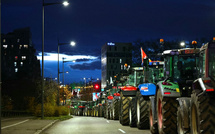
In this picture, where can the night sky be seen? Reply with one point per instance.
(92, 23)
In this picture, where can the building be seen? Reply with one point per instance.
(18, 56)
(113, 59)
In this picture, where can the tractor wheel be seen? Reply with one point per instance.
(80, 112)
(104, 111)
(202, 114)
(142, 112)
(108, 112)
(132, 114)
(93, 112)
(167, 114)
(100, 111)
(124, 113)
(152, 122)
(115, 109)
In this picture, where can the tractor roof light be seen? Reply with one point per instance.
(194, 42)
(161, 41)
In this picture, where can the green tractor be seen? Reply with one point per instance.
(80, 108)
(179, 72)
(88, 108)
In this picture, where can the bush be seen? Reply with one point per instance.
(57, 112)
(49, 110)
(64, 110)
(37, 111)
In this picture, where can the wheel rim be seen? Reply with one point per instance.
(138, 111)
(151, 118)
(113, 112)
(130, 115)
(194, 120)
(160, 116)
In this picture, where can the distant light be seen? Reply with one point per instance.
(111, 44)
(67, 72)
(97, 78)
(72, 43)
(73, 61)
(65, 3)
(182, 44)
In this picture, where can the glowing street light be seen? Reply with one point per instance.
(65, 3)
(72, 43)
(182, 43)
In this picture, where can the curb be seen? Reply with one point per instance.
(46, 127)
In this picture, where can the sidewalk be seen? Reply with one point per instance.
(25, 125)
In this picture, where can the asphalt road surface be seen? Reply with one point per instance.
(91, 125)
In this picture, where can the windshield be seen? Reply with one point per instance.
(136, 78)
(153, 75)
(212, 63)
(187, 70)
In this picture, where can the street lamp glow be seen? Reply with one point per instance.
(65, 3)
(72, 43)
(182, 44)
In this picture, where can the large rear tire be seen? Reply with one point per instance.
(142, 112)
(132, 114)
(108, 112)
(124, 113)
(202, 114)
(115, 109)
(167, 114)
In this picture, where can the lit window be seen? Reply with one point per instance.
(4, 40)
(20, 46)
(5, 46)
(23, 57)
(15, 63)
(121, 67)
(18, 40)
(120, 60)
(25, 46)
(21, 63)
(16, 69)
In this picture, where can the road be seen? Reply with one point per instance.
(24, 125)
(91, 125)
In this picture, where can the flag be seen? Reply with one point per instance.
(143, 54)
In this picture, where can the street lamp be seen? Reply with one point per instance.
(72, 43)
(182, 44)
(43, 15)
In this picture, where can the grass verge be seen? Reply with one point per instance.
(61, 118)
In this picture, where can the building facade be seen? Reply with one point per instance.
(18, 56)
(114, 56)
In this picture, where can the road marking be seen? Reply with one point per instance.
(108, 122)
(14, 124)
(122, 131)
(39, 131)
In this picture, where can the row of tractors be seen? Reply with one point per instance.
(169, 96)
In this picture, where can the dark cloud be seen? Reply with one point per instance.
(87, 66)
(81, 60)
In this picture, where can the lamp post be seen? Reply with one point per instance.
(43, 15)
(72, 43)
